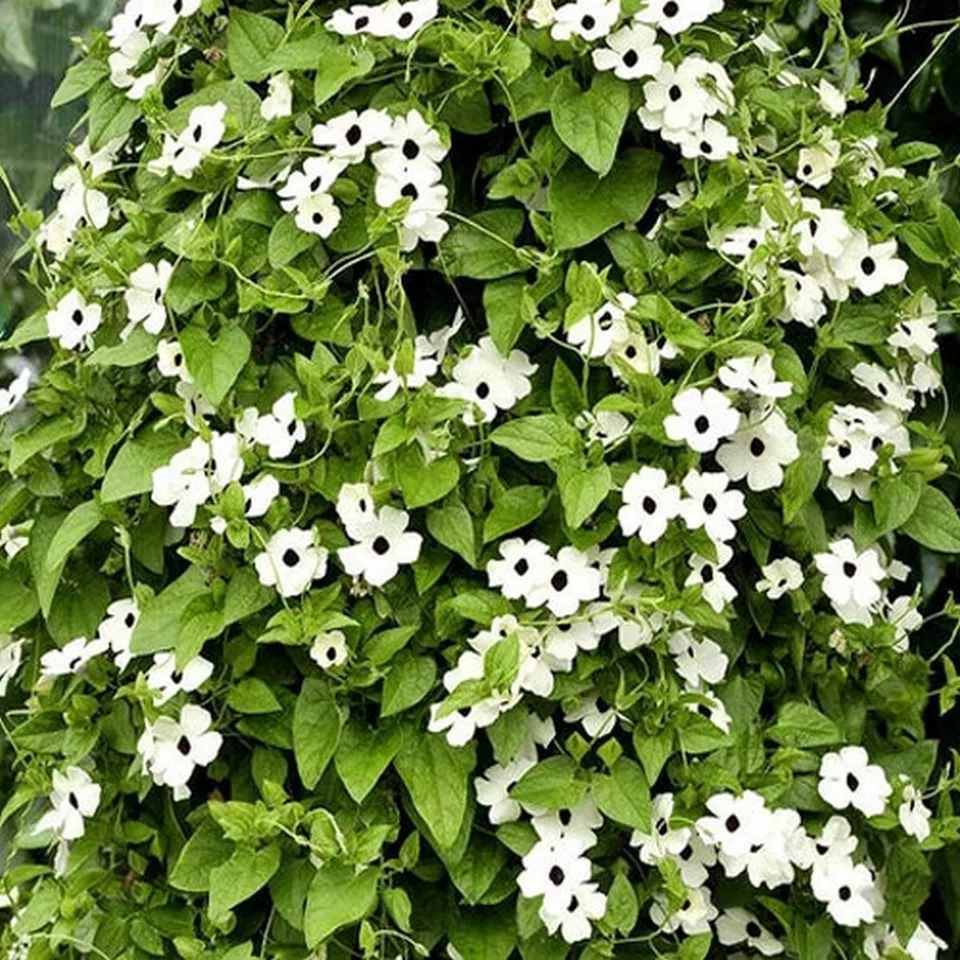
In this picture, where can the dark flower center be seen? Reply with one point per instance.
(353, 135)
(753, 929)
(630, 58)
(77, 317)
(649, 505)
(556, 875)
(290, 557)
(483, 390)
(588, 22)
(381, 545)
(701, 424)
(844, 893)
(757, 447)
(559, 580)
(732, 823)
(72, 800)
(410, 149)
(852, 783)
(183, 745)
(849, 569)
(706, 574)
(521, 567)
(675, 93)
(406, 18)
(709, 503)
(671, 9)
(868, 265)
(409, 190)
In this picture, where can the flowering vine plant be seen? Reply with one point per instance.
(484, 494)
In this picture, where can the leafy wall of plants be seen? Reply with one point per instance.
(490, 492)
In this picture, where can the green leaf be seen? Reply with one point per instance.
(800, 725)
(138, 348)
(111, 115)
(424, 483)
(934, 523)
(287, 241)
(553, 783)
(215, 364)
(338, 66)
(18, 602)
(585, 206)
(908, 876)
(364, 754)
(252, 695)
(539, 438)
(78, 80)
(78, 523)
(485, 934)
(131, 471)
(408, 682)
(43, 435)
(509, 308)
(803, 475)
(252, 43)
(437, 778)
(316, 730)
(484, 247)
(339, 896)
(513, 509)
(204, 851)
(624, 795)
(591, 123)
(240, 877)
(566, 397)
(894, 500)
(622, 906)
(582, 490)
(159, 622)
(813, 940)
(452, 526)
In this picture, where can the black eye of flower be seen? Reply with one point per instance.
(290, 557)
(405, 19)
(381, 545)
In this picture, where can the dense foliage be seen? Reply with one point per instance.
(488, 492)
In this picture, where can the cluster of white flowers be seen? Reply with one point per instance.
(407, 166)
(393, 18)
(680, 101)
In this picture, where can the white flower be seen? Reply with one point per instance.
(836, 842)
(279, 99)
(419, 182)
(712, 505)
(851, 580)
(144, 297)
(632, 52)
(291, 562)
(711, 708)
(870, 267)
(164, 14)
(847, 778)
(736, 823)
(74, 798)
(822, 230)
(779, 577)
(402, 20)
(428, 352)
(803, 298)
(662, 841)
(847, 890)
(693, 861)
(589, 19)
(885, 384)
(759, 451)
(318, 214)
(570, 580)
(736, 925)
(493, 788)
(360, 18)
(754, 375)
(412, 139)
(917, 335)
(11, 396)
(13, 539)
(924, 944)
(913, 814)
(576, 825)
(383, 547)
(166, 680)
(595, 716)
(563, 641)
(595, 334)
(74, 321)
(123, 62)
(649, 504)
(831, 99)
(489, 381)
(329, 649)
(259, 494)
(710, 140)
(902, 613)
(678, 99)
(460, 726)
(183, 483)
(71, 658)
(350, 134)
(676, 16)
(525, 565)
(697, 661)
(280, 430)
(318, 175)
(717, 590)
(770, 861)
(553, 871)
(171, 362)
(117, 629)
(815, 164)
(172, 749)
(356, 510)
(702, 418)
(11, 656)
(183, 154)
(586, 903)
(693, 916)
(607, 426)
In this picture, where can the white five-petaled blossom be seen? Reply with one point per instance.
(847, 778)
(383, 546)
(676, 16)
(349, 135)
(279, 99)
(117, 629)
(71, 658)
(712, 505)
(74, 321)
(280, 430)
(737, 925)
(356, 509)
(851, 580)
(494, 786)
(291, 562)
(144, 297)
(11, 396)
(701, 419)
(524, 565)
(759, 450)
(632, 52)
(693, 916)
(596, 334)
(11, 656)
(171, 750)
(568, 581)
(589, 19)
(697, 661)
(848, 891)
(205, 128)
(74, 799)
(166, 679)
(913, 814)
(586, 903)
(779, 577)
(649, 504)
(329, 649)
